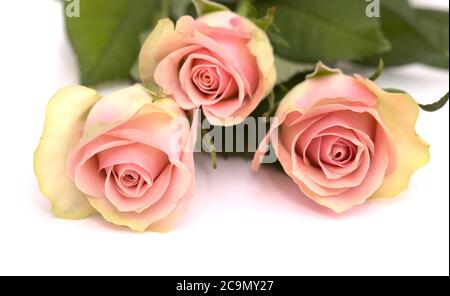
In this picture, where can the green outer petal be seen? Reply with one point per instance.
(262, 49)
(399, 113)
(112, 215)
(413, 151)
(65, 116)
(203, 7)
(323, 70)
(165, 28)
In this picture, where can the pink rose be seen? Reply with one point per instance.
(344, 140)
(121, 156)
(221, 61)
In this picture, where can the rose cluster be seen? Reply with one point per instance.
(128, 155)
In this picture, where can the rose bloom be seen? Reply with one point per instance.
(343, 140)
(221, 61)
(121, 156)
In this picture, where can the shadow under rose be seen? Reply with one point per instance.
(267, 191)
(291, 196)
(233, 189)
(40, 203)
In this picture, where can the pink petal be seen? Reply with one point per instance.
(167, 75)
(118, 107)
(334, 87)
(373, 180)
(126, 204)
(82, 166)
(135, 189)
(242, 58)
(150, 158)
(200, 58)
(155, 130)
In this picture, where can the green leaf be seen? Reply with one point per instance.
(266, 21)
(179, 8)
(287, 68)
(378, 70)
(155, 90)
(271, 101)
(321, 70)
(417, 36)
(394, 91)
(326, 30)
(436, 25)
(205, 6)
(246, 9)
(435, 106)
(105, 37)
(278, 40)
(279, 92)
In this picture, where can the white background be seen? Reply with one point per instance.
(240, 222)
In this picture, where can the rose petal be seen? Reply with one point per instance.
(65, 115)
(399, 112)
(225, 76)
(118, 107)
(151, 159)
(138, 205)
(360, 194)
(131, 189)
(162, 41)
(162, 215)
(82, 165)
(167, 76)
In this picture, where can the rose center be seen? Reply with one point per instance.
(206, 79)
(342, 151)
(130, 178)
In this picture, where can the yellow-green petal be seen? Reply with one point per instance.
(65, 116)
(112, 215)
(261, 48)
(399, 113)
(148, 55)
